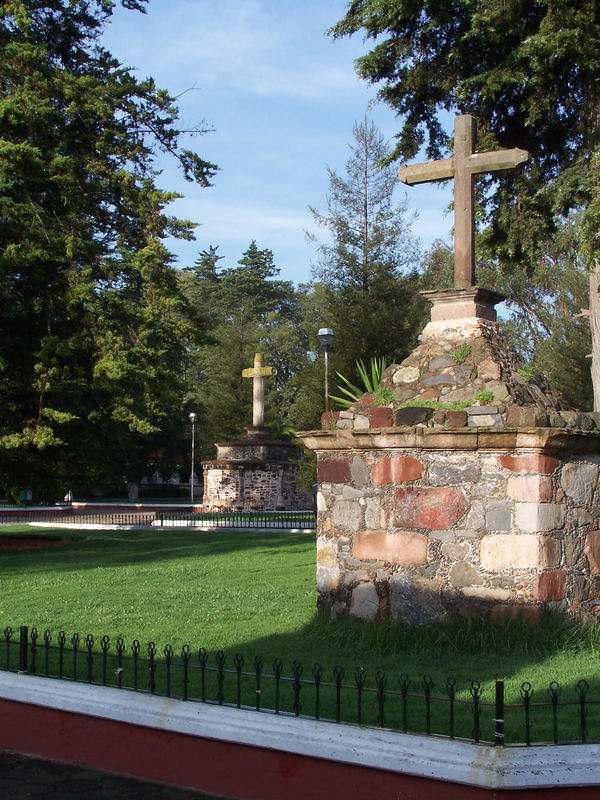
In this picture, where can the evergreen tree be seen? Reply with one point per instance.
(92, 330)
(368, 266)
(545, 322)
(251, 310)
(308, 395)
(437, 266)
(529, 71)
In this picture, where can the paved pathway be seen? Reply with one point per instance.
(22, 778)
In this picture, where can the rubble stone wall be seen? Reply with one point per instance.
(419, 532)
(240, 486)
(464, 484)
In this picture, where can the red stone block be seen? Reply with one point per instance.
(404, 547)
(434, 508)
(380, 417)
(531, 488)
(396, 470)
(334, 471)
(551, 585)
(531, 462)
(456, 419)
(513, 417)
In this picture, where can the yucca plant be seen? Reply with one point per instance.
(370, 378)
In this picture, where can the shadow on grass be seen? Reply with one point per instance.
(90, 549)
(417, 670)
(389, 676)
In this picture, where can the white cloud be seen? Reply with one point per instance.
(244, 220)
(261, 49)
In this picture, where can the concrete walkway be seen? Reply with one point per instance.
(25, 778)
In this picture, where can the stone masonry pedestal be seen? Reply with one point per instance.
(482, 499)
(256, 473)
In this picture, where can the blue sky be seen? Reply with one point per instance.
(282, 99)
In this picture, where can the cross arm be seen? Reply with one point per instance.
(497, 159)
(262, 372)
(430, 171)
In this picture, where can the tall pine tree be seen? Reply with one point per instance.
(367, 265)
(249, 309)
(92, 330)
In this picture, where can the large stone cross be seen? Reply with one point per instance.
(258, 373)
(462, 168)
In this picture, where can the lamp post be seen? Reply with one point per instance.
(325, 337)
(193, 421)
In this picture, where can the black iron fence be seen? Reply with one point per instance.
(237, 519)
(193, 519)
(60, 516)
(552, 715)
(23, 516)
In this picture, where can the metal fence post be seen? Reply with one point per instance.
(23, 642)
(499, 720)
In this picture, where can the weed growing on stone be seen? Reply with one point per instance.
(485, 397)
(456, 405)
(383, 396)
(460, 355)
(526, 371)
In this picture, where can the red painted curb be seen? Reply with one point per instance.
(221, 768)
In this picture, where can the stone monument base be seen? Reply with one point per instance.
(419, 523)
(476, 490)
(256, 473)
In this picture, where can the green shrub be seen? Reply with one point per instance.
(370, 378)
(456, 405)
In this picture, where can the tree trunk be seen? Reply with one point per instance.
(595, 330)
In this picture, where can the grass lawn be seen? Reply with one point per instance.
(222, 589)
(253, 592)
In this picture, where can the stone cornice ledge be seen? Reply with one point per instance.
(421, 756)
(542, 439)
(236, 463)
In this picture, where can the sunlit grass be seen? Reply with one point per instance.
(218, 589)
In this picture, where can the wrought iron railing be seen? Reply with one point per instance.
(22, 516)
(193, 519)
(562, 715)
(237, 519)
(60, 516)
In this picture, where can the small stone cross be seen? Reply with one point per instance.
(462, 168)
(258, 373)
